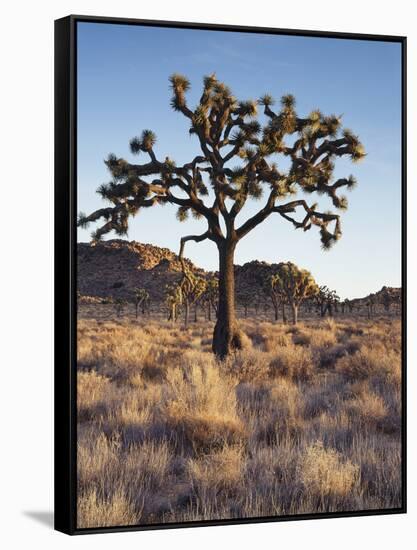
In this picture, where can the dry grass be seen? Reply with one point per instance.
(306, 419)
(323, 472)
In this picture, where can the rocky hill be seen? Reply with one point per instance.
(387, 297)
(113, 268)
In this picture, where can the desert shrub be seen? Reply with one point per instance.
(323, 337)
(147, 465)
(375, 361)
(91, 394)
(279, 427)
(203, 433)
(370, 411)
(97, 461)
(220, 471)
(202, 408)
(323, 472)
(328, 356)
(118, 480)
(100, 511)
(287, 395)
(321, 400)
(275, 418)
(294, 362)
(301, 338)
(248, 365)
(276, 341)
(154, 373)
(263, 403)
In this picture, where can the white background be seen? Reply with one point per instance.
(26, 274)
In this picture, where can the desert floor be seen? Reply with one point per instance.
(306, 419)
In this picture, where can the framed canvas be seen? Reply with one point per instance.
(230, 274)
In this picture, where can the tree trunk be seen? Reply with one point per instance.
(227, 336)
(209, 311)
(284, 316)
(294, 309)
(276, 312)
(171, 314)
(195, 314)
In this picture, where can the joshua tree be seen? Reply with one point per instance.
(326, 300)
(347, 304)
(211, 295)
(209, 188)
(141, 298)
(173, 300)
(294, 285)
(119, 305)
(273, 290)
(333, 301)
(370, 305)
(192, 289)
(257, 302)
(245, 298)
(386, 299)
(397, 301)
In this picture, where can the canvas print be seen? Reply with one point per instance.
(239, 302)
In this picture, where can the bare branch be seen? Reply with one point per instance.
(197, 239)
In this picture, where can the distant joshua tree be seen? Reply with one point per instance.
(207, 187)
(273, 290)
(141, 299)
(327, 301)
(119, 304)
(370, 305)
(347, 305)
(257, 301)
(192, 290)
(211, 296)
(245, 298)
(173, 300)
(386, 299)
(294, 285)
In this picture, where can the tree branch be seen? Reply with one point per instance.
(197, 239)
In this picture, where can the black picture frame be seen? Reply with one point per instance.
(65, 267)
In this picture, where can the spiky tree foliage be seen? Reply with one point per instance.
(210, 187)
(294, 285)
(141, 299)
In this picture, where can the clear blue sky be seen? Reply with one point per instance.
(123, 88)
